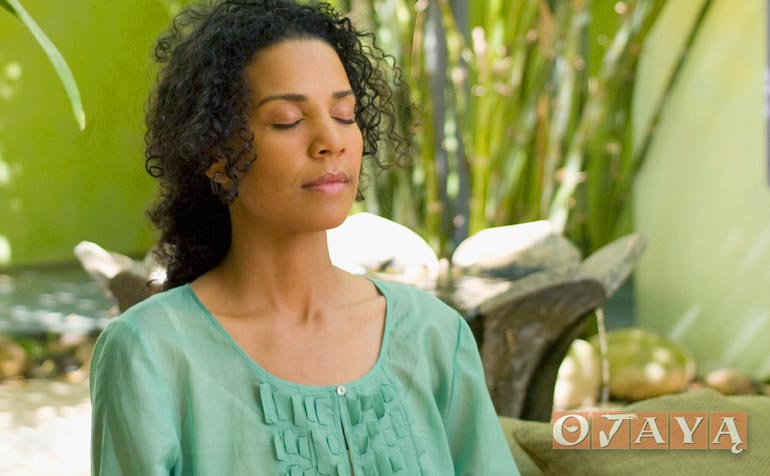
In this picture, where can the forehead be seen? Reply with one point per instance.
(306, 66)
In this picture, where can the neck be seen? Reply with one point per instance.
(290, 274)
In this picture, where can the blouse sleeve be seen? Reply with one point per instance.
(475, 436)
(133, 430)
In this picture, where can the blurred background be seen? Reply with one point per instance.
(603, 117)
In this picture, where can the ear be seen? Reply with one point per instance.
(216, 173)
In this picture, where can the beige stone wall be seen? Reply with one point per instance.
(703, 198)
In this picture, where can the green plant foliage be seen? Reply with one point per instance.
(54, 56)
(58, 185)
(513, 123)
(175, 6)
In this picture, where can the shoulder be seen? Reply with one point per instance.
(404, 299)
(423, 338)
(420, 318)
(156, 308)
(145, 323)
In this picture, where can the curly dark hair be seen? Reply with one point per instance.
(200, 108)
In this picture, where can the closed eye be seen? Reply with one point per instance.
(345, 121)
(287, 125)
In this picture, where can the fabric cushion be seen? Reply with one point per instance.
(526, 466)
(535, 438)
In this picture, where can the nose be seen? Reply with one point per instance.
(327, 140)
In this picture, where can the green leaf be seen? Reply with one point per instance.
(54, 56)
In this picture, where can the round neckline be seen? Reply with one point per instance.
(278, 380)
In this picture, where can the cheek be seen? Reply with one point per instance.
(274, 157)
(357, 143)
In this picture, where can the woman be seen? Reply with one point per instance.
(263, 358)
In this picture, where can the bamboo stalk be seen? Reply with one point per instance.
(525, 124)
(594, 113)
(565, 78)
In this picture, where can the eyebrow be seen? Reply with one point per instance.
(301, 97)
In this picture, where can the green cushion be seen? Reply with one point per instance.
(535, 439)
(526, 466)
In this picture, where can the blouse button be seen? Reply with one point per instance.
(341, 390)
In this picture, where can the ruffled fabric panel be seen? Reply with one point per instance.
(308, 440)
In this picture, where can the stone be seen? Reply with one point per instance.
(579, 379)
(527, 285)
(75, 376)
(44, 370)
(525, 339)
(644, 364)
(729, 381)
(13, 359)
(367, 243)
(612, 264)
(83, 354)
(129, 288)
(515, 251)
(100, 264)
(66, 343)
(127, 280)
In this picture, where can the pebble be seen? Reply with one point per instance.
(730, 381)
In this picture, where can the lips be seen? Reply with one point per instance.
(328, 178)
(330, 183)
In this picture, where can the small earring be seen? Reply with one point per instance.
(217, 176)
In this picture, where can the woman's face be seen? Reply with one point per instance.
(308, 146)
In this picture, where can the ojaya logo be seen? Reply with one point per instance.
(650, 430)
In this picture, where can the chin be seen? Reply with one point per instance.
(338, 220)
(329, 219)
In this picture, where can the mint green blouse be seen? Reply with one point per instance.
(173, 394)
